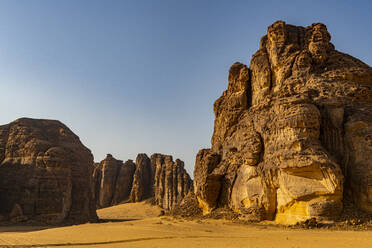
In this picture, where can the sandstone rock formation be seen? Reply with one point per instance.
(171, 181)
(44, 173)
(143, 179)
(289, 129)
(113, 181)
(124, 182)
(159, 178)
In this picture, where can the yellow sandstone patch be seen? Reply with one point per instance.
(292, 213)
(204, 206)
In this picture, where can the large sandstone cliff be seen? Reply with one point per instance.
(158, 177)
(293, 132)
(44, 173)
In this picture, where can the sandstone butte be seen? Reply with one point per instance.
(45, 174)
(157, 177)
(292, 133)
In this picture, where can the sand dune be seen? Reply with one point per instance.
(138, 225)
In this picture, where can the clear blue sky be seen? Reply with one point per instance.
(142, 76)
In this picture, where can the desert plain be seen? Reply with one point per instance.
(141, 225)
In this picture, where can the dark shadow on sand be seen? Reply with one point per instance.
(24, 228)
(27, 227)
(113, 242)
(115, 220)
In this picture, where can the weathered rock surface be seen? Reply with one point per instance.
(159, 178)
(289, 129)
(44, 173)
(110, 170)
(207, 184)
(143, 179)
(124, 182)
(113, 181)
(171, 181)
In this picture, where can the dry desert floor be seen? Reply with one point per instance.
(139, 225)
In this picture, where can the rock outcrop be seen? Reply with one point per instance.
(143, 179)
(113, 181)
(159, 178)
(171, 181)
(124, 182)
(289, 131)
(44, 173)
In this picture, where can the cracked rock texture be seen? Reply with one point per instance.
(292, 133)
(158, 177)
(44, 173)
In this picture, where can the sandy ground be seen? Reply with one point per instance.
(138, 225)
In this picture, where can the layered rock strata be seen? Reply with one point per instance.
(157, 177)
(289, 131)
(44, 173)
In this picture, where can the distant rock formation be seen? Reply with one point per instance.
(143, 179)
(171, 181)
(124, 182)
(44, 173)
(289, 129)
(159, 178)
(113, 181)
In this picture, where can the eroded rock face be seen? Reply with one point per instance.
(171, 181)
(124, 182)
(358, 157)
(159, 178)
(110, 171)
(206, 183)
(143, 179)
(113, 181)
(44, 173)
(289, 129)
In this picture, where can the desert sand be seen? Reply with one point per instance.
(139, 225)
